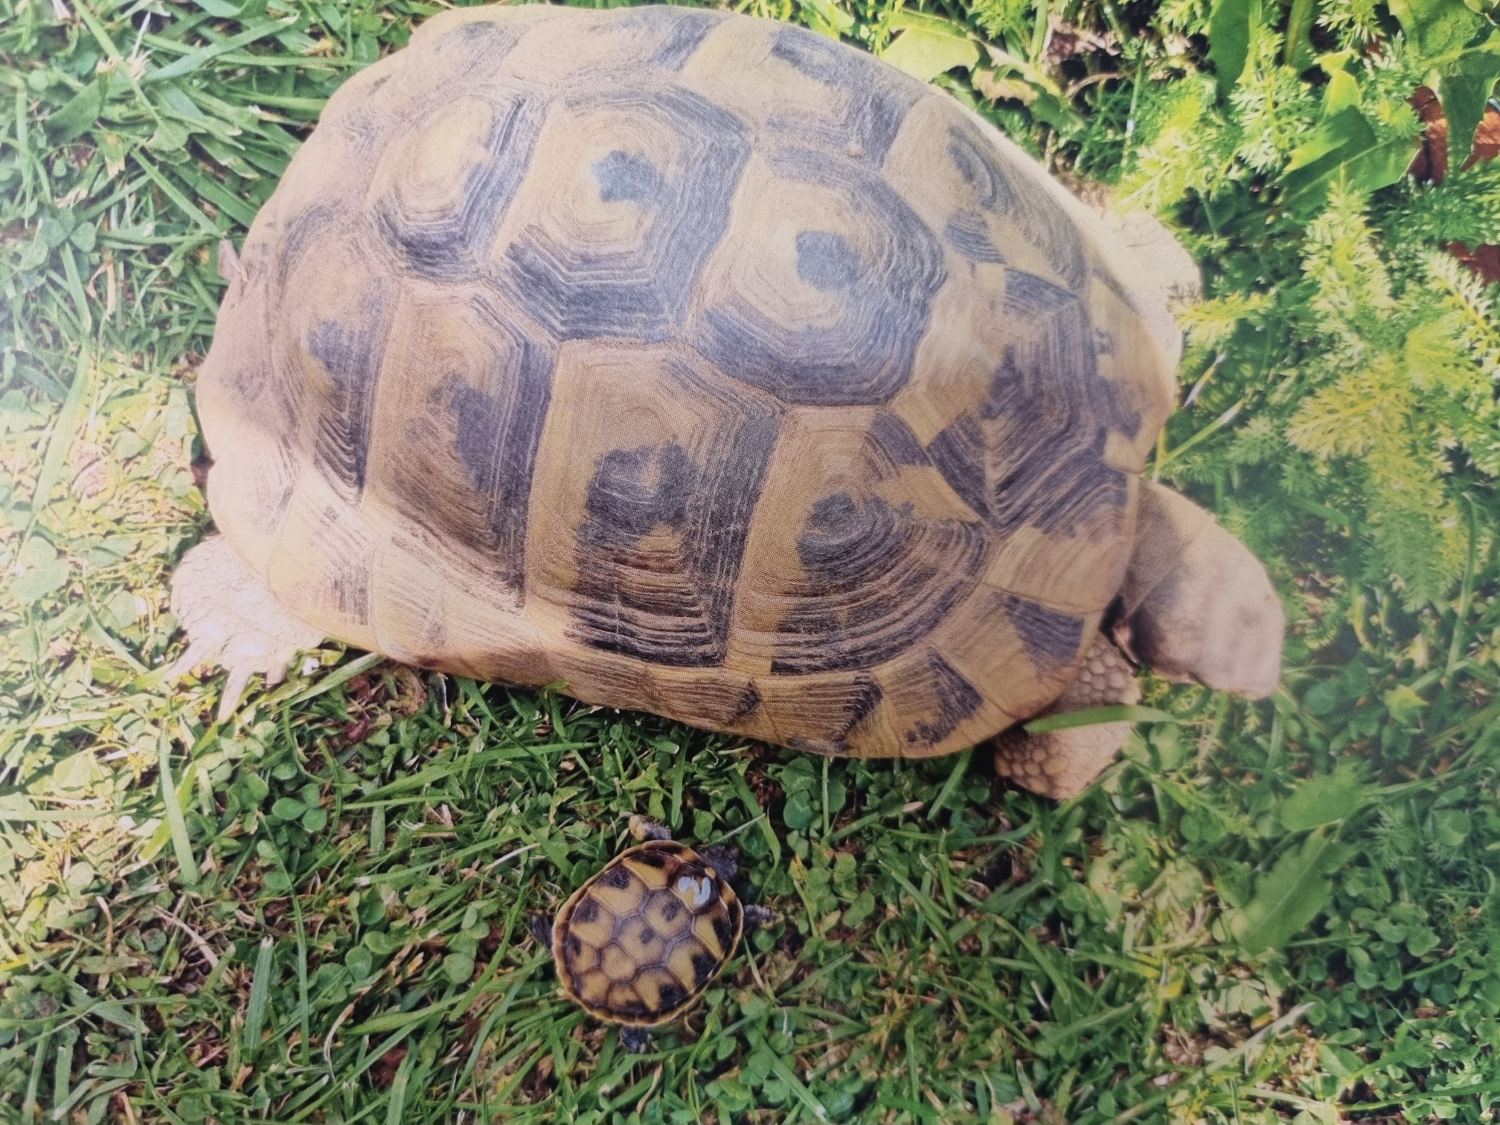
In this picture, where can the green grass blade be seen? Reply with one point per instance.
(1117, 713)
(176, 822)
(260, 993)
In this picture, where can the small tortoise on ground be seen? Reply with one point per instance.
(714, 368)
(641, 941)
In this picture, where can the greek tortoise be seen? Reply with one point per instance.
(641, 941)
(709, 367)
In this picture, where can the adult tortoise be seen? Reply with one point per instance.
(709, 367)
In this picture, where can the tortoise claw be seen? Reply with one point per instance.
(723, 858)
(541, 929)
(643, 828)
(635, 1039)
(758, 916)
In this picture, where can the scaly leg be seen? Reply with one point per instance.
(232, 619)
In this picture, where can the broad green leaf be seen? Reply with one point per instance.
(78, 115)
(1435, 27)
(1404, 704)
(1341, 92)
(459, 967)
(797, 812)
(1346, 129)
(1322, 800)
(925, 52)
(288, 808)
(1381, 165)
(1451, 827)
(826, 18)
(35, 584)
(1230, 25)
(1287, 897)
(1298, 50)
(1464, 93)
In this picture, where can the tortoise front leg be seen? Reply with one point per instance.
(1198, 607)
(1061, 763)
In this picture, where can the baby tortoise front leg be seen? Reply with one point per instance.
(234, 620)
(1198, 607)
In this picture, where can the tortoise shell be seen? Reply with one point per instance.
(640, 942)
(694, 361)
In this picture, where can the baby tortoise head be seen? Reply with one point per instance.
(640, 942)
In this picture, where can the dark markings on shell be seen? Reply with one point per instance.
(586, 911)
(670, 995)
(968, 233)
(876, 580)
(682, 32)
(705, 964)
(875, 98)
(350, 354)
(723, 931)
(1048, 416)
(1040, 217)
(669, 905)
(1034, 454)
(647, 935)
(477, 44)
(947, 699)
(616, 876)
(299, 232)
(958, 453)
(651, 859)
(895, 439)
(634, 1008)
(886, 284)
(838, 709)
(1051, 637)
(658, 556)
(350, 587)
(498, 432)
(581, 291)
(572, 946)
(450, 245)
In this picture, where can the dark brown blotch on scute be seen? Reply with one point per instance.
(1051, 637)
(877, 579)
(587, 911)
(616, 877)
(659, 554)
(704, 967)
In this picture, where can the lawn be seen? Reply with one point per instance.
(1282, 911)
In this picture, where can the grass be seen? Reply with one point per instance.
(317, 912)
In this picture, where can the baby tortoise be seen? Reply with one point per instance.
(640, 942)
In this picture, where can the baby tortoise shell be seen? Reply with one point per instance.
(639, 943)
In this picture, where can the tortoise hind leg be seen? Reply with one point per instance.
(1061, 763)
(234, 620)
(635, 1039)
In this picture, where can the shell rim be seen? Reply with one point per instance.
(559, 927)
